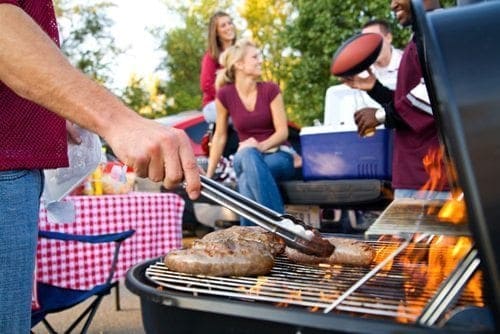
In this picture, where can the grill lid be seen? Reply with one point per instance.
(463, 80)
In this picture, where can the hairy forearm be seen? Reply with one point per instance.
(33, 67)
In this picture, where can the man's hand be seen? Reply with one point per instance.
(158, 152)
(365, 119)
(365, 83)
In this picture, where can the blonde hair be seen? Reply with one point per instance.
(228, 60)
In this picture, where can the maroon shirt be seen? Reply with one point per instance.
(257, 123)
(417, 135)
(31, 137)
(209, 67)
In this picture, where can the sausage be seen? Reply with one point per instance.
(347, 251)
(228, 258)
(241, 251)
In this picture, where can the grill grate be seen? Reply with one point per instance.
(409, 216)
(393, 293)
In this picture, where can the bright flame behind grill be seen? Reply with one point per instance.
(454, 210)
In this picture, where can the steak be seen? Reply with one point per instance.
(271, 241)
(347, 251)
(236, 251)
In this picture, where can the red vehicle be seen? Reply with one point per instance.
(193, 123)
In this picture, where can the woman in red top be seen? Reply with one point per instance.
(258, 114)
(221, 35)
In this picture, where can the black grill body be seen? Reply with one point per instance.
(460, 51)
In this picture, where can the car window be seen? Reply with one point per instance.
(197, 131)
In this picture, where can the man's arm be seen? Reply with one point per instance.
(381, 93)
(33, 67)
(371, 117)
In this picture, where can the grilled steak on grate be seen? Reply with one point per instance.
(275, 244)
(236, 251)
(347, 251)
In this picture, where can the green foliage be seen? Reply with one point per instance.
(184, 47)
(314, 32)
(135, 95)
(317, 29)
(147, 97)
(86, 37)
(265, 20)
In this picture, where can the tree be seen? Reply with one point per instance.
(184, 48)
(145, 96)
(317, 30)
(86, 38)
(266, 19)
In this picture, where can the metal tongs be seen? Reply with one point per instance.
(295, 233)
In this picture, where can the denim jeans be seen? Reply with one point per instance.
(20, 192)
(258, 174)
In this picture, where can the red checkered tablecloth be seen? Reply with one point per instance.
(155, 217)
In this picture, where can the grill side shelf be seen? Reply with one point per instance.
(409, 216)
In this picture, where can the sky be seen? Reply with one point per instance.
(131, 19)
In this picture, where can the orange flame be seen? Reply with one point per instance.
(433, 167)
(390, 244)
(427, 268)
(295, 295)
(255, 289)
(454, 210)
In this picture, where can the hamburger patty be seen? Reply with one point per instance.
(347, 251)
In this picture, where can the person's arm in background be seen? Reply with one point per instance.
(368, 117)
(207, 78)
(34, 67)
(219, 138)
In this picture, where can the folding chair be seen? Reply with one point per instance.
(54, 299)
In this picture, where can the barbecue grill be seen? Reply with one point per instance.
(428, 276)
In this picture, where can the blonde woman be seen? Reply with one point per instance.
(258, 116)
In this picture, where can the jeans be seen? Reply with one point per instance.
(20, 192)
(258, 173)
(419, 194)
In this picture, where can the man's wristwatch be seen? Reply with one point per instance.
(380, 115)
